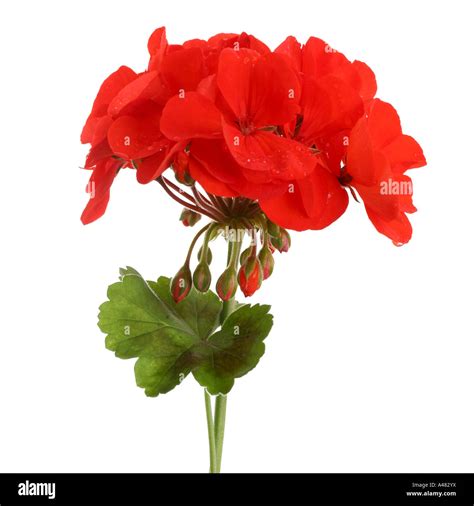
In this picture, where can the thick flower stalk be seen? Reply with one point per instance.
(256, 143)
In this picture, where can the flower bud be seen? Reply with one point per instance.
(208, 256)
(202, 277)
(245, 255)
(226, 285)
(276, 243)
(286, 240)
(282, 243)
(267, 261)
(273, 229)
(250, 276)
(189, 218)
(181, 283)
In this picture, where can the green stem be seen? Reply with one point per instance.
(194, 241)
(219, 427)
(216, 426)
(221, 400)
(210, 432)
(227, 308)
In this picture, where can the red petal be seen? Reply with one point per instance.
(217, 160)
(364, 164)
(136, 137)
(405, 199)
(274, 92)
(220, 174)
(334, 150)
(209, 182)
(320, 59)
(222, 40)
(261, 90)
(264, 151)
(367, 82)
(131, 93)
(183, 69)
(385, 205)
(383, 124)
(251, 42)
(336, 204)
(88, 130)
(99, 188)
(109, 89)
(98, 152)
(404, 153)
(389, 197)
(208, 87)
(152, 167)
(289, 210)
(191, 116)
(329, 105)
(236, 42)
(291, 48)
(157, 45)
(398, 229)
(157, 40)
(314, 192)
(233, 78)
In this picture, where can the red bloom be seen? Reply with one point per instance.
(291, 130)
(377, 157)
(334, 90)
(255, 94)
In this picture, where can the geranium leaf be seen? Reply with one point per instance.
(171, 340)
(235, 349)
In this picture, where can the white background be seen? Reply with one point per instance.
(369, 367)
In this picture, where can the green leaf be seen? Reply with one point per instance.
(235, 349)
(171, 340)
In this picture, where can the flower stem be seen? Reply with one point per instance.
(210, 432)
(188, 205)
(193, 242)
(216, 426)
(219, 427)
(204, 204)
(177, 189)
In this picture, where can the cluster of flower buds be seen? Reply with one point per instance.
(246, 269)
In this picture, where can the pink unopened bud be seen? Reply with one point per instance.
(189, 218)
(283, 242)
(267, 261)
(250, 276)
(286, 240)
(181, 283)
(273, 229)
(226, 285)
(276, 243)
(202, 277)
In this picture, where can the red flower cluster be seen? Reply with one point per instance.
(294, 130)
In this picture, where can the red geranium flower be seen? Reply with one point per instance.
(291, 130)
(377, 157)
(255, 95)
(334, 91)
